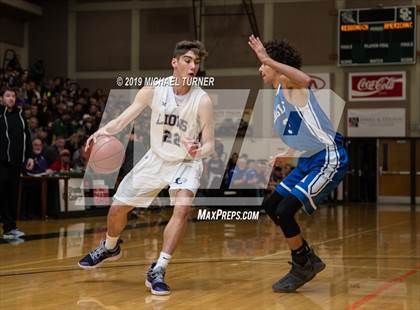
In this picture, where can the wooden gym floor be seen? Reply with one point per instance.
(372, 255)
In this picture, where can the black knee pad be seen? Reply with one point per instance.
(285, 214)
(270, 205)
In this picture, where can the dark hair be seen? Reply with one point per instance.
(196, 47)
(282, 51)
(8, 88)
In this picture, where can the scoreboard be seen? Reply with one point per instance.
(377, 36)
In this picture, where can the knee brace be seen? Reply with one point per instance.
(285, 213)
(270, 205)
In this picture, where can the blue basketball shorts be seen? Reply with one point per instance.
(315, 177)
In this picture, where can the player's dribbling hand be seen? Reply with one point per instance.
(92, 139)
(191, 145)
(89, 141)
(258, 48)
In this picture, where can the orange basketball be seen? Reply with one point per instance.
(106, 155)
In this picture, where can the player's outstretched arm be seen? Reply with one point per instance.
(205, 113)
(298, 77)
(141, 101)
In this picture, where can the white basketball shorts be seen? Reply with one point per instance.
(151, 174)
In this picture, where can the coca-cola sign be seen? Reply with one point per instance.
(377, 86)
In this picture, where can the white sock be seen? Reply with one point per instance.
(111, 242)
(163, 260)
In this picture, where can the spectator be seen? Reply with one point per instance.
(11, 77)
(93, 110)
(32, 94)
(53, 152)
(77, 113)
(226, 128)
(73, 143)
(34, 110)
(27, 112)
(33, 126)
(59, 109)
(24, 76)
(40, 163)
(31, 200)
(85, 93)
(40, 115)
(80, 158)
(63, 126)
(219, 148)
(238, 176)
(62, 164)
(216, 165)
(262, 174)
(251, 175)
(216, 169)
(42, 135)
(88, 125)
(15, 134)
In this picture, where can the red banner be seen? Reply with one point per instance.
(377, 86)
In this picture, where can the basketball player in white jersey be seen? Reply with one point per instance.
(179, 114)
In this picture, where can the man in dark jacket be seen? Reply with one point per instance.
(15, 148)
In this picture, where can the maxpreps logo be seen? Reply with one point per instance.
(227, 215)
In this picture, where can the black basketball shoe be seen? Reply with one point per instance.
(299, 275)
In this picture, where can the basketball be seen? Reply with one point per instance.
(106, 155)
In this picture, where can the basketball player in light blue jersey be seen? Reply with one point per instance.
(304, 128)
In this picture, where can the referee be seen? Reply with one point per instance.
(15, 148)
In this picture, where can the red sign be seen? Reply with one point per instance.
(377, 86)
(101, 195)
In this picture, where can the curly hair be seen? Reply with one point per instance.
(282, 51)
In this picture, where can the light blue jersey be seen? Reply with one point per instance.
(324, 160)
(305, 129)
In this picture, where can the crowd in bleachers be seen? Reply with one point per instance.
(59, 113)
